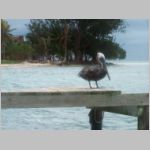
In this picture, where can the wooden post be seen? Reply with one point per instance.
(143, 118)
(96, 118)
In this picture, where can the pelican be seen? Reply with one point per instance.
(95, 72)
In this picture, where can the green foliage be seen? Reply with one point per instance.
(5, 61)
(80, 37)
(19, 51)
(6, 35)
(112, 50)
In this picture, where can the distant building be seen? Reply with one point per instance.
(19, 39)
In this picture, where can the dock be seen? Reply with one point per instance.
(97, 100)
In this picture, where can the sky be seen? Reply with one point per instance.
(134, 40)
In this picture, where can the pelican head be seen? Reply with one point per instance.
(100, 55)
(101, 60)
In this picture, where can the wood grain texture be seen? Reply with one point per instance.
(72, 98)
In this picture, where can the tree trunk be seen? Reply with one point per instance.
(65, 43)
(77, 47)
(3, 50)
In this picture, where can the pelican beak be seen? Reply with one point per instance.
(101, 60)
(108, 74)
(106, 69)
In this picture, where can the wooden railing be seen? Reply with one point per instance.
(98, 100)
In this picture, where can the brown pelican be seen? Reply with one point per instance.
(95, 72)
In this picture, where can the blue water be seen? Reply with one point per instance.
(125, 76)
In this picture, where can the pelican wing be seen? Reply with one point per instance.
(91, 73)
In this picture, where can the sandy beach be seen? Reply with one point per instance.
(27, 64)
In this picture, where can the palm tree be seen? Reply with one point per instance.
(6, 35)
(59, 34)
(65, 41)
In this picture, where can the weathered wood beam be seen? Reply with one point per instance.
(124, 110)
(73, 98)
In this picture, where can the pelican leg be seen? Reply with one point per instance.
(96, 84)
(90, 85)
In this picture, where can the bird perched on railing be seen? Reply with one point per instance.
(95, 72)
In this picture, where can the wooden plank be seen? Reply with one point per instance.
(124, 110)
(72, 98)
(52, 98)
(65, 90)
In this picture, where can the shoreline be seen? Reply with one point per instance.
(41, 65)
(38, 64)
(29, 64)
(26, 65)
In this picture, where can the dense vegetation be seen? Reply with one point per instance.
(6, 36)
(71, 40)
(19, 51)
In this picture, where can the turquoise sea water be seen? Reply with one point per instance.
(129, 77)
